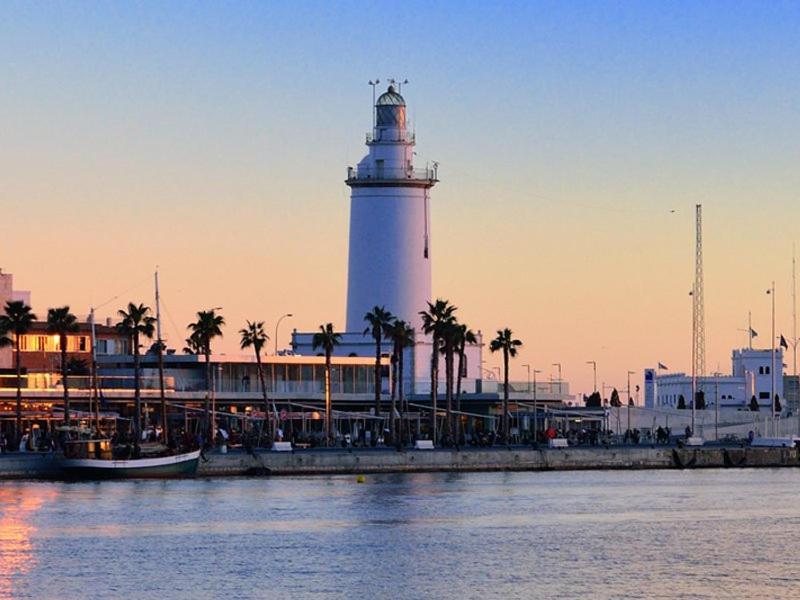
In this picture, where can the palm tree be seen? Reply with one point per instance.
(402, 336)
(434, 321)
(253, 335)
(192, 345)
(465, 336)
(450, 333)
(202, 332)
(61, 322)
(378, 320)
(136, 322)
(18, 320)
(505, 341)
(327, 339)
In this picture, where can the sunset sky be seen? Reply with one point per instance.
(574, 140)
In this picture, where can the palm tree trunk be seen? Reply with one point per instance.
(505, 396)
(434, 385)
(18, 420)
(328, 403)
(64, 377)
(448, 367)
(267, 418)
(393, 408)
(137, 398)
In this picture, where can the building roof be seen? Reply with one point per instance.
(390, 98)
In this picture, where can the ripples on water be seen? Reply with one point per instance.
(628, 534)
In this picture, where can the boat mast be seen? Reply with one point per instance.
(160, 345)
(94, 395)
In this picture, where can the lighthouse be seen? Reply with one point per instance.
(389, 262)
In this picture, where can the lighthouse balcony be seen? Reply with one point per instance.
(391, 135)
(361, 176)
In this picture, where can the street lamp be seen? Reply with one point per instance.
(277, 324)
(629, 399)
(559, 378)
(528, 367)
(771, 292)
(594, 373)
(535, 407)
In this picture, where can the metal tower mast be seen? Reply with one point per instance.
(698, 315)
(698, 309)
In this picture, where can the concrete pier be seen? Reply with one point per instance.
(333, 462)
(316, 462)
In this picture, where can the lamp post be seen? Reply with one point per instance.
(771, 291)
(559, 378)
(528, 367)
(629, 398)
(277, 324)
(594, 374)
(535, 407)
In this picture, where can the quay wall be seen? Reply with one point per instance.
(310, 462)
(331, 462)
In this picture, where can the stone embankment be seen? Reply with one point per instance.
(331, 462)
(317, 462)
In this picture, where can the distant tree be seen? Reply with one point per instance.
(61, 322)
(402, 336)
(615, 401)
(681, 402)
(77, 366)
(754, 404)
(202, 331)
(776, 407)
(439, 316)
(506, 343)
(327, 339)
(593, 400)
(630, 401)
(253, 336)
(701, 400)
(136, 322)
(378, 321)
(17, 320)
(465, 336)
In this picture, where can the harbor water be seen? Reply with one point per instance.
(599, 534)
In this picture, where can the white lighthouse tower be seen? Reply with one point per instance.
(390, 252)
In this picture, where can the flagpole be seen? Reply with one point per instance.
(750, 328)
(772, 363)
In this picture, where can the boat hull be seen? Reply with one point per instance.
(164, 467)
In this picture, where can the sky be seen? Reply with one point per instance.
(574, 139)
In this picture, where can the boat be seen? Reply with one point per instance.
(94, 459)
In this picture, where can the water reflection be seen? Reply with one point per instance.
(17, 508)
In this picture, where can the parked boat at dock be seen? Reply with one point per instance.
(94, 459)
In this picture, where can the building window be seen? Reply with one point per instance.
(82, 344)
(766, 370)
(41, 343)
(763, 395)
(760, 370)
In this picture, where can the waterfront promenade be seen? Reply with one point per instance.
(385, 460)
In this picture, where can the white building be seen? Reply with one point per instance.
(8, 294)
(751, 376)
(390, 255)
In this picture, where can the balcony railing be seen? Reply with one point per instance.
(366, 174)
(392, 135)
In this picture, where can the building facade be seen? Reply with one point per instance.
(751, 377)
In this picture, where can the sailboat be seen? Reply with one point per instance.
(96, 459)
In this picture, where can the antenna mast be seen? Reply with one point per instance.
(698, 314)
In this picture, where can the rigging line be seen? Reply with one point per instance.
(171, 320)
(115, 297)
